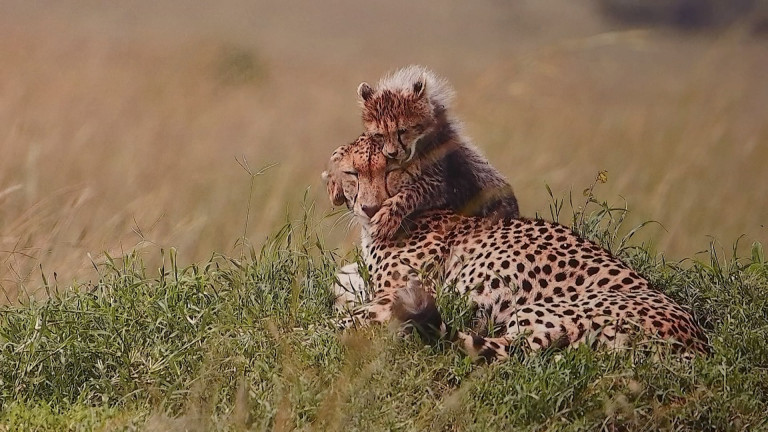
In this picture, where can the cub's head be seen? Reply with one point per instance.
(403, 108)
(361, 177)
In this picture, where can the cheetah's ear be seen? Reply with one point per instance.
(420, 87)
(335, 192)
(365, 91)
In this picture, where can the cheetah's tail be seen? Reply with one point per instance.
(414, 306)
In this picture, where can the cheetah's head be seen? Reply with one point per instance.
(361, 177)
(403, 108)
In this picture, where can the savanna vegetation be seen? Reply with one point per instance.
(249, 343)
(121, 123)
(165, 249)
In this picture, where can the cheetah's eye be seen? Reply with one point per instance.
(352, 173)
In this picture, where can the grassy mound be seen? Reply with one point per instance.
(248, 344)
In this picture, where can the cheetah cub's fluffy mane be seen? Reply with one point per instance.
(416, 78)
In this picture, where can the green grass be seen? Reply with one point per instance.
(248, 344)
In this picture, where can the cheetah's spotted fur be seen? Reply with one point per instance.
(536, 279)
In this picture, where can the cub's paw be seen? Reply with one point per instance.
(385, 223)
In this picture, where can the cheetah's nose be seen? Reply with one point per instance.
(391, 154)
(370, 210)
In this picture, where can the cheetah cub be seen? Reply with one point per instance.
(408, 114)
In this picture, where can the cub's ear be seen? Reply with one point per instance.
(365, 91)
(335, 192)
(420, 87)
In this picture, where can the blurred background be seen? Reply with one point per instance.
(121, 122)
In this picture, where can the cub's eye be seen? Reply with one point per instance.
(401, 131)
(352, 173)
(378, 136)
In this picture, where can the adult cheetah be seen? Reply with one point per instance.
(538, 280)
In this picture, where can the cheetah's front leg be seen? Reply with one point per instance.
(388, 219)
(378, 310)
(350, 289)
(386, 222)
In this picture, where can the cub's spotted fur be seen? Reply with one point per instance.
(537, 280)
(408, 114)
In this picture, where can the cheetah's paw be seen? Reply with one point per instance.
(385, 223)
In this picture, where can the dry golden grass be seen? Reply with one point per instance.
(121, 124)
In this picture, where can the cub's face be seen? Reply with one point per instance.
(361, 177)
(398, 119)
